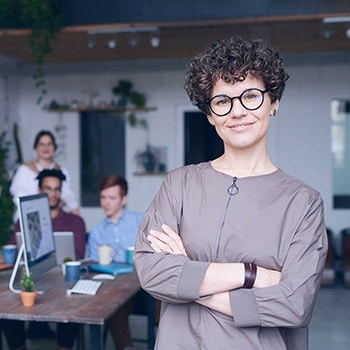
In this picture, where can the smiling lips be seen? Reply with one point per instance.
(241, 126)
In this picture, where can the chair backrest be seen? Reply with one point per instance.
(345, 245)
(345, 241)
(329, 275)
(330, 261)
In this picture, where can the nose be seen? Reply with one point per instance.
(237, 110)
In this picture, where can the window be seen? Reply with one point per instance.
(102, 138)
(340, 149)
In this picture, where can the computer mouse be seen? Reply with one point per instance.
(103, 276)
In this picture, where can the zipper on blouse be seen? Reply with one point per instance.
(232, 190)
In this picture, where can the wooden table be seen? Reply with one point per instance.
(55, 306)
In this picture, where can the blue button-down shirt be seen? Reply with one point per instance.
(120, 235)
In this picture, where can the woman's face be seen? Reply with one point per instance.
(243, 128)
(45, 148)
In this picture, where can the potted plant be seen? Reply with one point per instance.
(64, 264)
(124, 89)
(28, 294)
(146, 159)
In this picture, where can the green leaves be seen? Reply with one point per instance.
(27, 282)
(45, 19)
(125, 91)
(7, 206)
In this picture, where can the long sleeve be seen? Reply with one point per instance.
(93, 242)
(173, 278)
(290, 304)
(68, 195)
(23, 182)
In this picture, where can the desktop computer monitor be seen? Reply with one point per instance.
(37, 253)
(36, 227)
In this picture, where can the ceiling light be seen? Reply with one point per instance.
(347, 32)
(91, 41)
(112, 42)
(327, 33)
(336, 19)
(134, 40)
(155, 39)
(132, 31)
(123, 30)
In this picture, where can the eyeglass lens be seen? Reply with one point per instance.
(250, 99)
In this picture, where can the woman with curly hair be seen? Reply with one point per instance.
(234, 248)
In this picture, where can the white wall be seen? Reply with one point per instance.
(300, 134)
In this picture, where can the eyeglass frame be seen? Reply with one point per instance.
(208, 101)
(48, 189)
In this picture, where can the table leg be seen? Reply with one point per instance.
(95, 337)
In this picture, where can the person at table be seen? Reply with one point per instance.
(50, 181)
(234, 247)
(25, 181)
(119, 230)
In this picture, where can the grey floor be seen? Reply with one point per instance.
(329, 328)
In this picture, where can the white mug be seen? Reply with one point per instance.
(105, 254)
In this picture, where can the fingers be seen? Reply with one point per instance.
(158, 242)
(167, 241)
(175, 239)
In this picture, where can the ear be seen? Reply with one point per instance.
(210, 119)
(274, 107)
(124, 200)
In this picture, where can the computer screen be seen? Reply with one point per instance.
(36, 227)
(37, 252)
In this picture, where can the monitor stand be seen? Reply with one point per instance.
(37, 270)
(19, 264)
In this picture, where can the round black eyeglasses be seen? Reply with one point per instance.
(250, 99)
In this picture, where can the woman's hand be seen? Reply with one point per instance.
(168, 241)
(266, 278)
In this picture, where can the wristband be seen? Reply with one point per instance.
(249, 275)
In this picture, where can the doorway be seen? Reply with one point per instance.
(201, 140)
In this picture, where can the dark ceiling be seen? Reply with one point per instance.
(289, 27)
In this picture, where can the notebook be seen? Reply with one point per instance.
(113, 268)
(64, 243)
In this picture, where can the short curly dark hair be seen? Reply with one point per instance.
(232, 60)
(50, 173)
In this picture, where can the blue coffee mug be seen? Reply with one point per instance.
(129, 255)
(9, 253)
(75, 271)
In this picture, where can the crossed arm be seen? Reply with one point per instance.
(219, 278)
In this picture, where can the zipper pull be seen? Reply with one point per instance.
(233, 189)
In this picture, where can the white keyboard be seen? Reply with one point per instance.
(89, 287)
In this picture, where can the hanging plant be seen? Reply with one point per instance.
(45, 19)
(124, 90)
